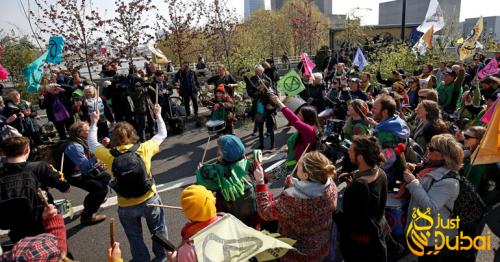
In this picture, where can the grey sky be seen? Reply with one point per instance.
(12, 16)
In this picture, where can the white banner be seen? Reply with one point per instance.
(433, 17)
(229, 240)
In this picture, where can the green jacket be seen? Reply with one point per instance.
(449, 95)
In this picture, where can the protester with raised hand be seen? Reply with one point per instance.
(361, 220)
(137, 189)
(305, 120)
(304, 209)
(450, 90)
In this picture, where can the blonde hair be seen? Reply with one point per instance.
(123, 134)
(318, 167)
(450, 149)
(91, 88)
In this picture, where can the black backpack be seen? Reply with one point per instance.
(19, 198)
(468, 206)
(131, 176)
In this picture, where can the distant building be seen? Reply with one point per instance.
(491, 26)
(325, 6)
(390, 12)
(253, 5)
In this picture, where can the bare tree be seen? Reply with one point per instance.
(77, 22)
(129, 30)
(220, 28)
(182, 25)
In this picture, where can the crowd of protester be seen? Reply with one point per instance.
(434, 113)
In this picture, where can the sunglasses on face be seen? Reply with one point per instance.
(469, 137)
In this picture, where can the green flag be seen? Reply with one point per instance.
(291, 83)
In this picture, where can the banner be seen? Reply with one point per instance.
(229, 239)
(360, 60)
(490, 69)
(308, 65)
(424, 43)
(160, 57)
(3, 73)
(488, 151)
(56, 46)
(466, 49)
(434, 17)
(291, 83)
(33, 73)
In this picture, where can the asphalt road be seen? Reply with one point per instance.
(173, 169)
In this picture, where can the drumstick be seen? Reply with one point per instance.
(42, 196)
(164, 206)
(156, 94)
(303, 153)
(205, 151)
(112, 231)
(62, 163)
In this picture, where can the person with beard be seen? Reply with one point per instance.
(83, 171)
(484, 177)
(390, 131)
(360, 232)
(430, 189)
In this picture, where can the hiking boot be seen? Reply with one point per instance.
(88, 219)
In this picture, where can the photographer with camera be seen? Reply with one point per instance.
(83, 171)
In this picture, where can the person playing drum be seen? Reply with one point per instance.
(223, 108)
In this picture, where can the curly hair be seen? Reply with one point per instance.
(369, 148)
(450, 149)
(123, 134)
(318, 167)
(76, 128)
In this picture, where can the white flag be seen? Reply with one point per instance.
(229, 239)
(157, 52)
(360, 60)
(424, 43)
(433, 17)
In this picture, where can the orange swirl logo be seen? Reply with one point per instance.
(417, 237)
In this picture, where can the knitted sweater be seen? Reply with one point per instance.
(309, 221)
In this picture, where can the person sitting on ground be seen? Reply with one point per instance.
(83, 171)
(429, 189)
(136, 190)
(305, 120)
(360, 235)
(484, 177)
(223, 108)
(22, 179)
(51, 245)
(304, 209)
(356, 92)
(357, 122)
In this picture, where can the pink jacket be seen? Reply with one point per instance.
(307, 133)
(186, 253)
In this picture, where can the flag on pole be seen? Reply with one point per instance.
(229, 239)
(33, 73)
(56, 46)
(360, 60)
(308, 65)
(160, 57)
(490, 69)
(291, 83)
(466, 49)
(425, 42)
(489, 114)
(488, 151)
(434, 17)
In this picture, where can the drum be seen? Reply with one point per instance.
(396, 211)
(294, 103)
(216, 126)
